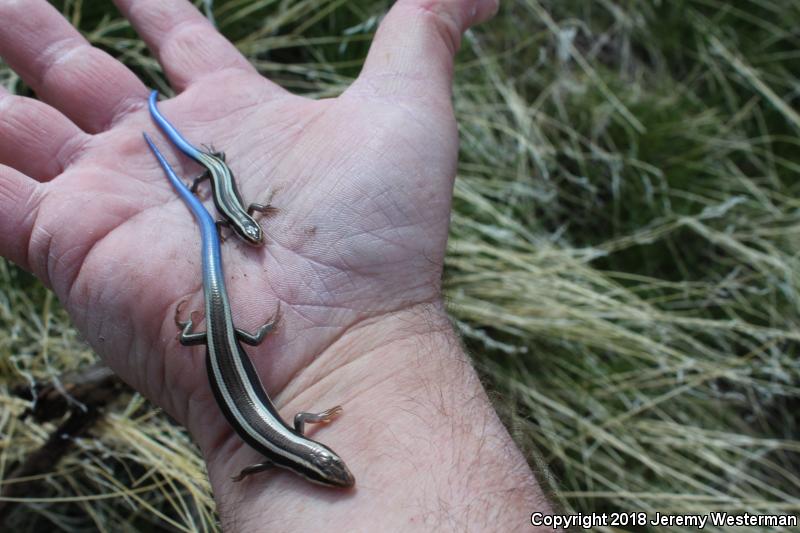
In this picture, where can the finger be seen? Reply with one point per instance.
(19, 201)
(85, 83)
(185, 43)
(35, 138)
(414, 47)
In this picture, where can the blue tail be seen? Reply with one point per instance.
(201, 214)
(170, 131)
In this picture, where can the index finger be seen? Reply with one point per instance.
(186, 44)
(83, 82)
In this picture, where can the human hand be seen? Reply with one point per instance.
(362, 182)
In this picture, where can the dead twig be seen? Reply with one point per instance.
(81, 397)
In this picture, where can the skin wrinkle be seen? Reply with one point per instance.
(309, 322)
(53, 54)
(314, 121)
(86, 256)
(381, 155)
(208, 114)
(84, 70)
(389, 228)
(129, 332)
(349, 269)
(377, 426)
(269, 289)
(42, 270)
(310, 260)
(327, 377)
(153, 13)
(163, 369)
(354, 393)
(388, 190)
(16, 119)
(446, 27)
(320, 278)
(81, 146)
(34, 200)
(126, 107)
(176, 31)
(17, 106)
(357, 325)
(234, 66)
(158, 22)
(339, 168)
(290, 130)
(73, 65)
(366, 89)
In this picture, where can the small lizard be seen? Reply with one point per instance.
(234, 380)
(226, 196)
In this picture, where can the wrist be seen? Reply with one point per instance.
(414, 418)
(370, 354)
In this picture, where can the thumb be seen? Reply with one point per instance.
(413, 50)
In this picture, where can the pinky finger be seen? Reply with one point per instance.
(19, 203)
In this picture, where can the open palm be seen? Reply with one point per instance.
(362, 186)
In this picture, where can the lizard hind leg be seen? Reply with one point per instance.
(187, 336)
(254, 339)
(253, 469)
(265, 209)
(301, 419)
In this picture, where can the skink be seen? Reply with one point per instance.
(236, 385)
(223, 187)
